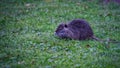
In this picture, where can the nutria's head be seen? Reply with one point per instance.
(63, 31)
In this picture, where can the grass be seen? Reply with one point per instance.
(27, 34)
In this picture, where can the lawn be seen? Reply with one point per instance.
(27, 34)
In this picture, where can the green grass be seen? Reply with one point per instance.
(27, 34)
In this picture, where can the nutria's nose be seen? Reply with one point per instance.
(55, 33)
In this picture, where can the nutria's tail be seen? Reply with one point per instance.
(101, 41)
(105, 42)
(97, 39)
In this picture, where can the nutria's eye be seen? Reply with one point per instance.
(66, 25)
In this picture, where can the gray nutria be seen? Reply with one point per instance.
(77, 29)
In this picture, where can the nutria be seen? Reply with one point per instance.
(77, 29)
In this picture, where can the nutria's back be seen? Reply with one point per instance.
(76, 29)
